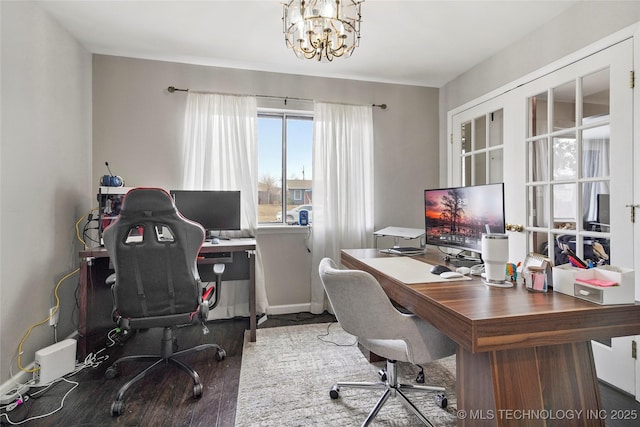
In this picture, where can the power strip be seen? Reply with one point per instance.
(9, 398)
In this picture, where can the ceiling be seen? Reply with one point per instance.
(423, 43)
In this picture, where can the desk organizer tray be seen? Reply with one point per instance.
(582, 283)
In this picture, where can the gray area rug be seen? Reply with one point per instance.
(287, 373)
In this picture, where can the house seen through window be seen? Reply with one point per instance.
(284, 167)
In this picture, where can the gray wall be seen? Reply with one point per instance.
(137, 128)
(45, 175)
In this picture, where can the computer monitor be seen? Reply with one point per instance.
(214, 210)
(457, 217)
(602, 201)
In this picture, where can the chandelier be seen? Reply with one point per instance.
(322, 29)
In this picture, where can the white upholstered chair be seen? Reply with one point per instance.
(364, 310)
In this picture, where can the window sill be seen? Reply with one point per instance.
(266, 229)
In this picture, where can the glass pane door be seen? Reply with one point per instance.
(481, 145)
(568, 169)
(579, 170)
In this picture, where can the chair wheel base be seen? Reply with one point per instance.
(334, 393)
(197, 391)
(441, 400)
(117, 408)
(220, 355)
(111, 372)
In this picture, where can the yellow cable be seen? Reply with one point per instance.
(55, 310)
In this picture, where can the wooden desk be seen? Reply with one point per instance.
(520, 356)
(95, 301)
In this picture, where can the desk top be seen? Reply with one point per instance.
(483, 318)
(231, 245)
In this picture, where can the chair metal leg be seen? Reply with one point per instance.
(361, 385)
(167, 356)
(376, 408)
(187, 368)
(392, 387)
(411, 387)
(136, 358)
(413, 408)
(137, 378)
(196, 349)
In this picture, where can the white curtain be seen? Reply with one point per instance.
(220, 152)
(342, 185)
(539, 170)
(595, 163)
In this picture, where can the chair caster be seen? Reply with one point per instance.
(441, 400)
(220, 355)
(117, 408)
(197, 391)
(334, 393)
(382, 373)
(111, 372)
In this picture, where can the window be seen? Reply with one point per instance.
(284, 165)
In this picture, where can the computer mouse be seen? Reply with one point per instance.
(451, 275)
(438, 269)
(215, 240)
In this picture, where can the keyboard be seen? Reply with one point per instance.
(407, 250)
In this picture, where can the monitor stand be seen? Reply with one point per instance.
(211, 235)
(463, 261)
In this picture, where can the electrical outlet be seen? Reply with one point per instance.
(53, 317)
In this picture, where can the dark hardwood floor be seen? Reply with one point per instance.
(165, 398)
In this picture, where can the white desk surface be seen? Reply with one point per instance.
(407, 270)
(241, 241)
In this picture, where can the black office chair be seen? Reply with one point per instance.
(154, 251)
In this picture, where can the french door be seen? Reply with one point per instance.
(567, 163)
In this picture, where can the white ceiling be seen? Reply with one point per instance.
(424, 43)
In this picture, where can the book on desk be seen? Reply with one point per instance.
(404, 250)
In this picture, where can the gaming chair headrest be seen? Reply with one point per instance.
(147, 199)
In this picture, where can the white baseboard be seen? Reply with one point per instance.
(19, 378)
(288, 309)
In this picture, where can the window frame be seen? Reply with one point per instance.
(284, 115)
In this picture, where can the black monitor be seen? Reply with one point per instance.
(457, 217)
(214, 210)
(602, 205)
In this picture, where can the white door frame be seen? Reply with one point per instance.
(448, 145)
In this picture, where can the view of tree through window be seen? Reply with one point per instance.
(284, 167)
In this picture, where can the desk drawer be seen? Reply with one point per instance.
(588, 293)
(215, 258)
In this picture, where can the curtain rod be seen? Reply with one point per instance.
(173, 89)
